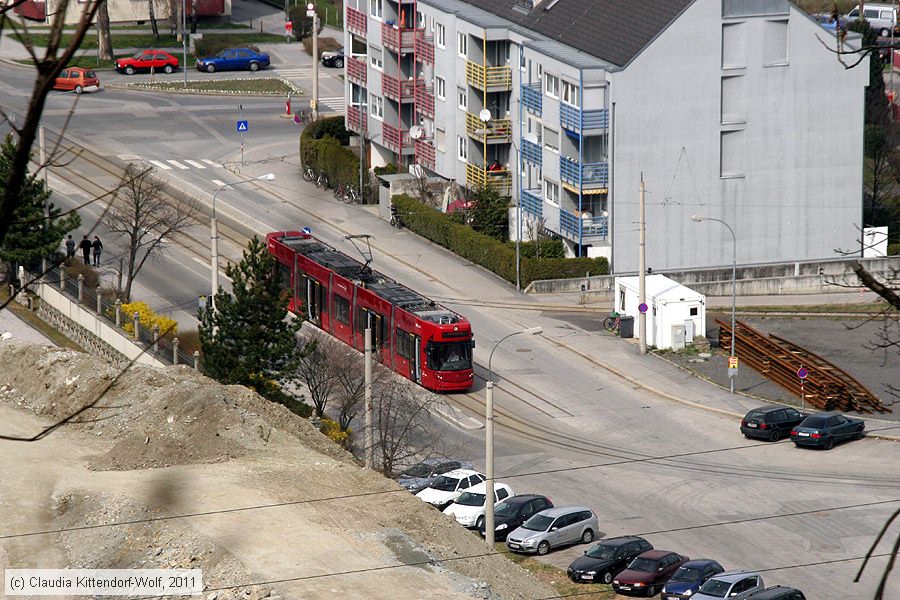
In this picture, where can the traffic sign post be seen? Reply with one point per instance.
(288, 29)
(242, 127)
(732, 366)
(802, 373)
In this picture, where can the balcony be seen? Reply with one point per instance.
(532, 152)
(396, 139)
(494, 131)
(584, 227)
(356, 119)
(477, 176)
(399, 90)
(577, 120)
(398, 40)
(356, 21)
(532, 98)
(424, 48)
(356, 70)
(583, 177)
(532, 202)
(489, 79)
(425, 153)
(424, 96)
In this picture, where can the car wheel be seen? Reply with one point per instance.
(774, 436)
(607, 577)
(885, 33)
(210, 68)
(479, 523)
(169, 69)
(339, 63)
(78, 89)
(859, 435)
(587, 536)
(129, 70)
(829, 444)
(651, 591)
(254, 66)
(543, 548)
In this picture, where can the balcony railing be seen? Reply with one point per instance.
(493, 130)
(424, 48)
(356, 70)
(532, 152)
(579, 175)
(424, 96)
(396, 139)
(532, 98)
(532, 202)
(577, 120)
(425, 155)
(477, 176)
(356, 21)
(398, 40)
(582, 227)
(400, 90)
(356, 119)
(488, 78)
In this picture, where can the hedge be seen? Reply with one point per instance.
(321, 147)
(894, 249)
(494, 255)
(212, 44)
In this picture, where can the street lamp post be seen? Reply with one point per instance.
(700, 218)
(489, 440)
(214, 232)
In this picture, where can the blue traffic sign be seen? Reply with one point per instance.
(243, 126)
(306, 230)
(802, 373)
(642, 307)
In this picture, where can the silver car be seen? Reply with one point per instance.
(734, 585)
(554, 527)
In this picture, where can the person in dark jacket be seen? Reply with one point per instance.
(98, 248)
(85, 246)
(70, 247)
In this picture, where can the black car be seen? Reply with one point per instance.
(606, 559)
(777, 593)
(333, 59)
(515, 510)
(822, 430)
(770, 422)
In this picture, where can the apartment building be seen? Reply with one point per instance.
(732, 109)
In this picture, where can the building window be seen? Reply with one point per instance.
(341, 309)
(375, 9)
(551, 139)
(462, 44)
(731, 154)
(376, 58)
(462, 98)
(440, 88)
(440, 139)
(551, 192)
(522, 62)
(775, 43)
(569, 93)
(551, 85)
(440, 36)
(462, 148)
(376, 106)
(420, 20)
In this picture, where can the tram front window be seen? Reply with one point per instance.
(450, 356)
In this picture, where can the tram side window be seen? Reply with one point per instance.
(366, 317)
(405, 344)
(342, 309)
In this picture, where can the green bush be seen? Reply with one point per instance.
(894, 249)
(388, 169)
(494, 255)
(300, 23)
(325, 45)
(325, 126)
(212, 44)
(543, 249)
(321, 149)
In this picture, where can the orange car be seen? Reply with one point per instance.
(77, 79)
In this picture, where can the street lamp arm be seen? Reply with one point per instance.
(531, 330)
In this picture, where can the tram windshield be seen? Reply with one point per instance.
(450, 356)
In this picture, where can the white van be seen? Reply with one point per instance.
(881, 17)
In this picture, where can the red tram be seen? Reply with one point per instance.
(416, 337)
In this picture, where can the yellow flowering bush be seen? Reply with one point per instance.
(147, 318)
(331, 428)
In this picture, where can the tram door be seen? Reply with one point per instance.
(417, 366)
(313, 299)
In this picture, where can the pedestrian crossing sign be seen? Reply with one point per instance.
(243, 126)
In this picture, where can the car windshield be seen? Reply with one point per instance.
(756, 414)
(138, 54)
(538, 523)
(470, 499)
(643, 564)
(505, 510)
(445, 484)
(715, 588)
(450, 356)
(601, 551)
(222, 53)
(419, 470)
(687, 574)
(814, 422)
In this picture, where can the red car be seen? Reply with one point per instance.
(146, 60)
(76, 79)
(648, 573)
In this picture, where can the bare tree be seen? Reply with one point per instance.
(103, 34)
(139, 214)
(316, 369)
(153, 24)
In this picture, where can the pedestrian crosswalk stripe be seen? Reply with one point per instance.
(194, 163)
(295, 72)
(210, 163)
(160, 165)
(333, 102)
(175, 163)
(218, 183)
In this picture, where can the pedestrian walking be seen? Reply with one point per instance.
(98, 248)
(70, 247)
(85, 246)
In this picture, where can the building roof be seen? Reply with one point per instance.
(611, 30)
(661, 288)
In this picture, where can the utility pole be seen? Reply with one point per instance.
(370, 447)
(489, 462)
(184, 44)
(314, 101)
(642, 267)
(362, 159)
(42, 144)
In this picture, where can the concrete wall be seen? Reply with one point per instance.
(124, 11)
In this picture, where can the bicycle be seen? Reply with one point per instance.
(395, 217)
(351, 196)
(322, 181)
(612, 322)
(308, 173)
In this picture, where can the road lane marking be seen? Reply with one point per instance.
(211, 163)
(218, 183)
(161, 165)
(178, 164)
(194, 163)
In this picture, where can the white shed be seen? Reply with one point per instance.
(675, 313)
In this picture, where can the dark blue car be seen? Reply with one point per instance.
(689, 577)
(823, 430)
(234, 59)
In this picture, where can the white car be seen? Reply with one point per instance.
(449, 486)
(469, 507)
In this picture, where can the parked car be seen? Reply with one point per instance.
(449, 486)
(822, 430)
(421, 475)
(689, 577)
(145, 60)
(881, 17)
(778, 592)
(333, 59)
(233, 59)
(648, 573)
(770, 422)
(606, 559)
(734, 585)
(554, 527)
(469, 507)
(77, 79)
(514, 511)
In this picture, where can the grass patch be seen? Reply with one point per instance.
(145, 27)
(166, 40)
(558, 580)
(37, 323)
(262, 86)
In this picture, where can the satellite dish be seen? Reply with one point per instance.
(415, 132)
(484, 115)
